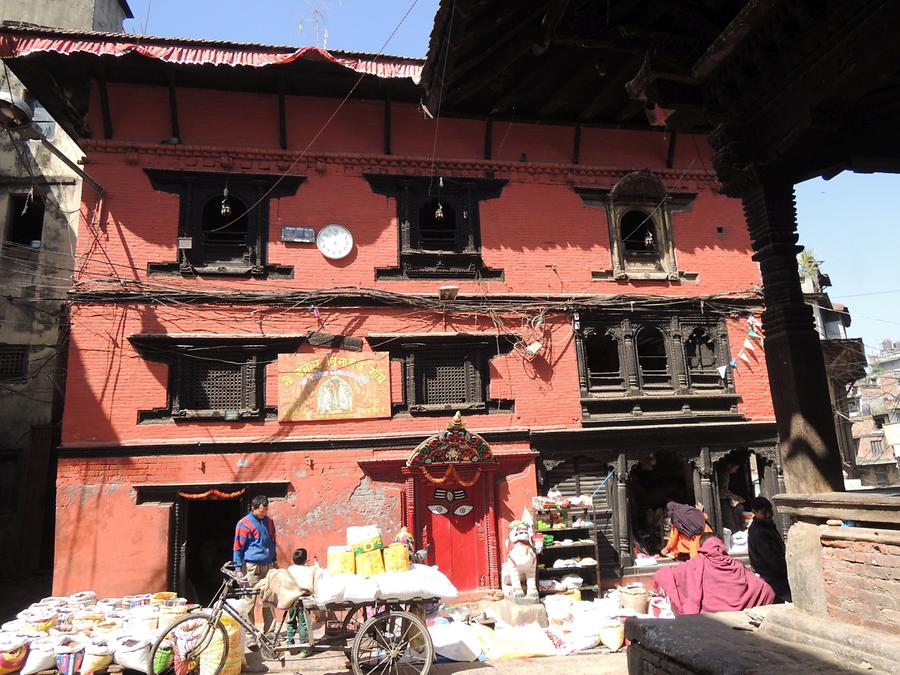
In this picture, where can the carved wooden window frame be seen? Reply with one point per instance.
(463, 196)
(675, 331)
(641, 191)
(474, 354)
(253, 353)
(195, 189)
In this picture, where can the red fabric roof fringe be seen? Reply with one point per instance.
(22, 45)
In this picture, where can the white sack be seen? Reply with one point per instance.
(359, 590)
(330, 589)
(132, 652)
(455, 641)
(40, 656)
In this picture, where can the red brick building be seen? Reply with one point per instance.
(602, 296)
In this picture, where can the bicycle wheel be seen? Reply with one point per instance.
(193, 645)
(392, 642)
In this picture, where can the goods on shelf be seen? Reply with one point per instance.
(568, 543)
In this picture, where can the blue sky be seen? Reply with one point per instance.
(353, 25)
(848, 221)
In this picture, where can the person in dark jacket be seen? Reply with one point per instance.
(766, 548)
(254, 548)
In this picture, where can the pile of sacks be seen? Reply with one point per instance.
(81, 634)
(363, 571)
(419, 581)
(572, 626)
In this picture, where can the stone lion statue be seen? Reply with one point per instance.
(517, 576)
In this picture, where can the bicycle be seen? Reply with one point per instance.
(378, 636)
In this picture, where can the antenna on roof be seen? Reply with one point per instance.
(316, 18)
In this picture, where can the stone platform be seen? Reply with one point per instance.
(764, 641)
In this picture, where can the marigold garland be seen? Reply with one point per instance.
(213, 493)
(452, 474)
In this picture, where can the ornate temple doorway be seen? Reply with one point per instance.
(449, 505)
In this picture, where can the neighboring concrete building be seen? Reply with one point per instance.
(40, 199)
(100, 15)
(875, 413)
(845, 358)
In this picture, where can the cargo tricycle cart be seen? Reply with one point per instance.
(381, 636)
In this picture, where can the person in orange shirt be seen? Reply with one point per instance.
(688, 524)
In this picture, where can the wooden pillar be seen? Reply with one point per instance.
(388, 124)
(708, 494)
(623, 522)
(282, 114)
(810, 457)
(173, 107)
(630, 366)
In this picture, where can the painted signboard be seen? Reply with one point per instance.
(333, 386)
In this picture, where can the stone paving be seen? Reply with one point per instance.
(585, 663)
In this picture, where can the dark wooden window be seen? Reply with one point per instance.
(661, 366)
(223, 222)
(653, 359)
(447, 378)
(223, 384)
(10, 463)
(637, 233)
(224, 229)
(439, 225)
(445, 373)
(702, 361)
(25, 219)
(639, 213)
(211, 377)
(13, 363)
(603, 364)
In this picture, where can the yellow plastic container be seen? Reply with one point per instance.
(396, 558)
(341, 560)
(372, 544)
(370, 563)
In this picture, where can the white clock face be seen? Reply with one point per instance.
(334, 241)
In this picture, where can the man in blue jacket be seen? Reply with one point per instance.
(254, 548)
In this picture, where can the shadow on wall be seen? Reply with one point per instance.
(527, 216)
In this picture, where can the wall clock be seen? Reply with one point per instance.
(334, 241)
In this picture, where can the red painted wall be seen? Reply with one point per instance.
(538, 217)
(110, 382)
(106, 543)
(538, 231)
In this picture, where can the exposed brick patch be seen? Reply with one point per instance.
(862, 583)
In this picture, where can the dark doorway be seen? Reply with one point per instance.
(208, 527)
(657, 479)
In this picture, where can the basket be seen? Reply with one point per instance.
(635, 598)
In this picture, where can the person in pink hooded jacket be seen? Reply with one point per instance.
(712, 582)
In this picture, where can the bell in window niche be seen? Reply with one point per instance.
(226, 203)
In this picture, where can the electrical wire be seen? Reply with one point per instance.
(437, 115)
(327, 122)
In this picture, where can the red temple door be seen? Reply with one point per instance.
(449, 505)
(451, 519)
